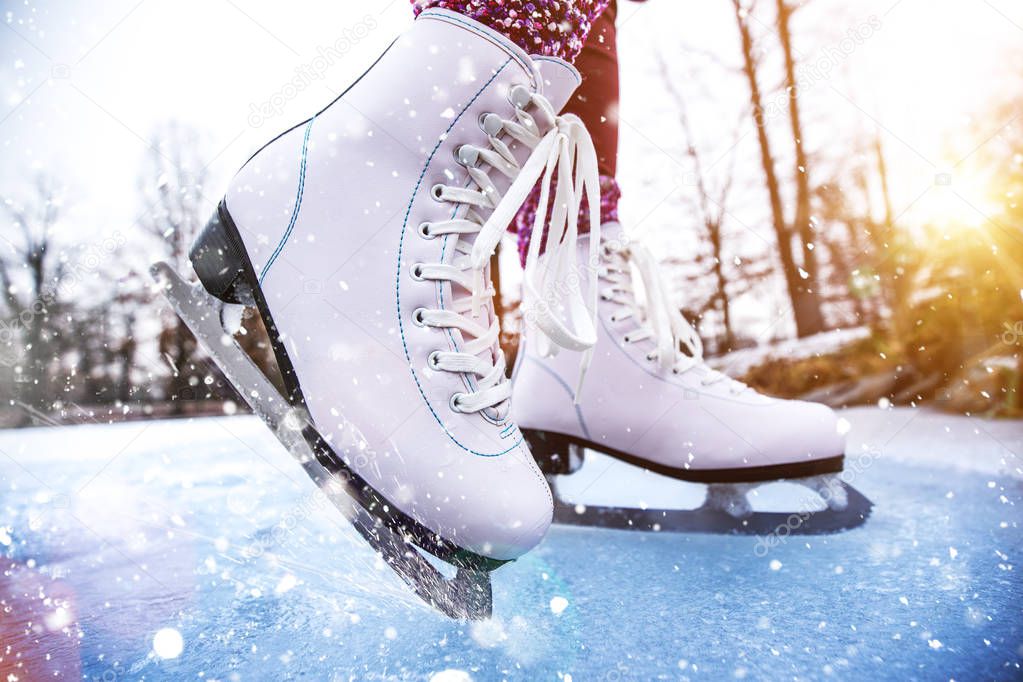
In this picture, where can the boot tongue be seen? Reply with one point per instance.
(558, 80)
(612, 232)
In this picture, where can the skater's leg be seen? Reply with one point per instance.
(596, 103)
(553, 28)
(596, 100)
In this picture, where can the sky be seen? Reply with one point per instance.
(82, 87)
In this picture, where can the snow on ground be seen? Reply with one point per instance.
(178, 549)
(741, 361)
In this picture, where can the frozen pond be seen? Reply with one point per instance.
(199, 550)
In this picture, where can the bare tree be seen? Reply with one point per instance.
(711, 207)
(845, 250)
(172, 184)
(799, 275)
(30, 272)
(894, 286)
(871, 245)
(801, 222)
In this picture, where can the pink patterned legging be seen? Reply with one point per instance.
(579, 31)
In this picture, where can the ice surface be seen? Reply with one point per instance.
(118, 539)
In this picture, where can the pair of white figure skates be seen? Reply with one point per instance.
(363, 237)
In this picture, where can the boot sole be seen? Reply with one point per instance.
(223, 267)
(551, 453)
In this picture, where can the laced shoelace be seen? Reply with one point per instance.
(550, 291)
(677, 346)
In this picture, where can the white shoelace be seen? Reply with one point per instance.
(550, 289)
(677, 346)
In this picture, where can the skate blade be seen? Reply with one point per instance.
(726, 508)
(725, 515)
(467, 595)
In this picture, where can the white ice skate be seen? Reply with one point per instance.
(363, 237)
(649, 400)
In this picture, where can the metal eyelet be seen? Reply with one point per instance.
(416, 271)
(519, 96)
(417, 317)
(465, 155)
(436, 192)
(651, 357)
(453, 402)
(424, 231)
(492, 124)
(433, 359)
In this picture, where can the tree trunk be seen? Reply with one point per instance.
(495, 277)
(801, 171)
(722, 286)
(801, 222)
(805, 307)
(892, 285)
(127, 356)
(35, 389)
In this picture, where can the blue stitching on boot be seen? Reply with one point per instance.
(568, 391)
(298, 203)
(397, 279)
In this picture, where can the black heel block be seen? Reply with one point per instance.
(219, 259)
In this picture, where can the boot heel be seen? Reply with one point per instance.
(554, 454)
(219, 259)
